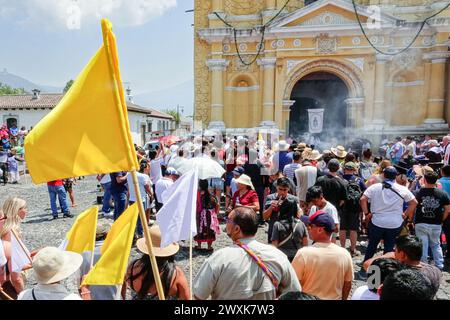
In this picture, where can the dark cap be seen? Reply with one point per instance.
(350, 166)
(238, 170)
(390, 173)
(321, 219)
(333, 165)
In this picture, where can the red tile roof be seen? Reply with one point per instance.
(50, 100)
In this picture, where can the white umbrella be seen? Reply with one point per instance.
(207, 168)
(176, 162)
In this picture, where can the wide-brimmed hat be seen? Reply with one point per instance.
(339, 152)
(155, 234)
(245, 179)
(301, 146)
(103, 227)
(52, 265)
(314, 155)
(283, 145)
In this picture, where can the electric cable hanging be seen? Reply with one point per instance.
(409, 45)
(262, 30)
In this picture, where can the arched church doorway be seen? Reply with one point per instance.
(320, 108)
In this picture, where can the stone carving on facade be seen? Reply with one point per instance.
(238, 66)
(407, 60)
(356, 41)
(326, 44)
(291, 64)
(237, 7)
(328, 19)
(359, 62)
(297, 43)
(202, 74)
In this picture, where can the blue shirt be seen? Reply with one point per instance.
(445, 182)
(116, 187)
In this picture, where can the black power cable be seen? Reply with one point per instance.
(262, 30)
(409, 45)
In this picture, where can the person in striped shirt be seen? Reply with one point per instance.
(289, 170)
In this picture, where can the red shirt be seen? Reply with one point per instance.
(56, 183)
(249, 198)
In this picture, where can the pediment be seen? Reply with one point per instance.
(329, 13)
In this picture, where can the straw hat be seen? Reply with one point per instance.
(339, 152)
(155, 234)
(52, 265)
(314, 155)
(245, 179)
(301, 146)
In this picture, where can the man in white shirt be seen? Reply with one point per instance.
(446, 146)
(105, 181)
(163, 184)
(306, 177)
(387, 213)
(156, 160)
(231, 273)
(145, 189)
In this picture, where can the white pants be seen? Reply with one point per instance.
(14, 176)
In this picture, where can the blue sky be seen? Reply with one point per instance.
(155, 40)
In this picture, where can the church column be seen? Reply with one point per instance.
(436, 94)
(287, 104)
(355, 112)
(217, 6)
(268, 106)
(379, 112)
(217, 66)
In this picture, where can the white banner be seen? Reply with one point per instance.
(315, 120)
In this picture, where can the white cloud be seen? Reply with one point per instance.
(79, 13)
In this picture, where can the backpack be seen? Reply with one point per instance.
(365, 170)
(354, 193)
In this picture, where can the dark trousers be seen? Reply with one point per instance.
(4, 167)
(120, 201)
(376, 234)
(446, 230)
(139, 228)
(260, 192)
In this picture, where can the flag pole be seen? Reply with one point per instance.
(147, 237)
(21, 245)
(190, 267)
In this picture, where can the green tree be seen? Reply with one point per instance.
(175, 115)
(7, 90)
(68, 85)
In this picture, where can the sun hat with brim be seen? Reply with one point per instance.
(339, 152)
(314, 155)
(155, 234)
(52, 265)
(283, 146)
(246, 180)
(103, 227)
(301, 146)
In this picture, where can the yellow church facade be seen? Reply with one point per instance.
(313, 59)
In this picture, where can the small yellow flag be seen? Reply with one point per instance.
(110, 269)
(88, 131)
(81, 237)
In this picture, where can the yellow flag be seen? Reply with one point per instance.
(81, 236)
(110, 269)
(88, 131)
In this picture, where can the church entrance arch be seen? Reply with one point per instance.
(328, 100)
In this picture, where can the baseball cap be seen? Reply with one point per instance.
(238, 170)
(172, 171)
(321, 219)
(350, 166)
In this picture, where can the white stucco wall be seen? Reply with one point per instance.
(29, 118)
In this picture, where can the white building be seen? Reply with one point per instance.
(26, 110)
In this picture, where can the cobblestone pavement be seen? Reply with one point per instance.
(39, 230)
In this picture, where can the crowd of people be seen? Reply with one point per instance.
(308, 200)
(11, 152)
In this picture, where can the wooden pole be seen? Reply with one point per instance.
(148, 240)
(190, 267)
(5, 294)
(22, 245)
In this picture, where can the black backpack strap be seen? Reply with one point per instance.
(32, 293)
(388, 186)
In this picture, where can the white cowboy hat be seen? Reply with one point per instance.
(52, 265)
(314, 155)
(245, 179)
(339, 152)
(155, 234)
(283, 145)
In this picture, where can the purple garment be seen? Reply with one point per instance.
(283, 160)
(13, 164)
